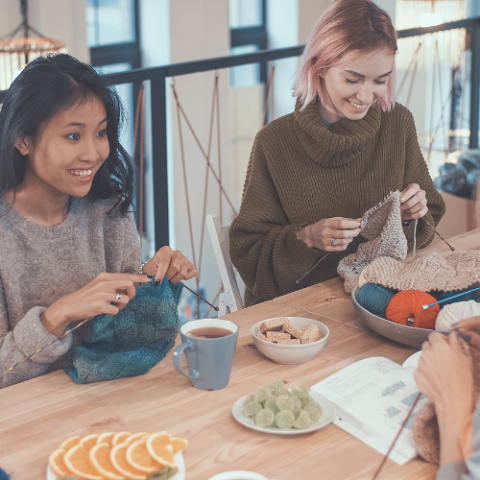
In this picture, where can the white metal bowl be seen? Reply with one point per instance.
(291, 354)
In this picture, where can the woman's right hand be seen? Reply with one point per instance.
(321, 235)
(470, 331)
(97, 297)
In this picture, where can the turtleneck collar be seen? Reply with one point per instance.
(338, 143)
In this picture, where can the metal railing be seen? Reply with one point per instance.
(157, 77)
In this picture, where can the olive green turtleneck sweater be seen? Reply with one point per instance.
(302, 171)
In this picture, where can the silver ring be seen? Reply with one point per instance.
(118, 298)
(334, 242)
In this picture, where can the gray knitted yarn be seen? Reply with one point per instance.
(382, 225)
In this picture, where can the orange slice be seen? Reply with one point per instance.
(76, 460)
(118, 459)
(136, 436)
(160, 452)
(57, 463)
(89, 441)
(106, 437)
(160, 438)
(99, 457)
(139, 458)
(178, 444)
(69, 443)
(120, 437)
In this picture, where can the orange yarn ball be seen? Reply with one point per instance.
(408, 305)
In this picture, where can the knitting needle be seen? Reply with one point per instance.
(450, 298)
(61, 337)
(201, 298)
(434, 229)
(398, 435)
(315, 266)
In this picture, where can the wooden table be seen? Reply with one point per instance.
(37, 415)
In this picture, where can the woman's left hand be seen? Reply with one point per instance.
(444, 377)
(171, 263)
(413, 202)
(443, 374)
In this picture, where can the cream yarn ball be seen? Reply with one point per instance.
(455, 312)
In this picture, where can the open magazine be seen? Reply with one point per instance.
(372, 398)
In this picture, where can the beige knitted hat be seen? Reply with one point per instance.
(382, 225)
(428, 271)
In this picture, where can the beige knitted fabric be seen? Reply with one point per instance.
(429, 271)
(382, 226)
(425, 425)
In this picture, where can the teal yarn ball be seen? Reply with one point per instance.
(375, 298)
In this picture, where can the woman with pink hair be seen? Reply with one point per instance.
(314, 172)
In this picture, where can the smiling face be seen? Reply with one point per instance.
(355, 84)
(65, 156)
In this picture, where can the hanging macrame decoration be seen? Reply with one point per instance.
(17, 52)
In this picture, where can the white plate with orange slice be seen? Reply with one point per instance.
(118, 455)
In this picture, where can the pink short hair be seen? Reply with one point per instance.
(347, 25)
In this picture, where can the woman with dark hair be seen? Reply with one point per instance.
(315, 172)
(69, 245)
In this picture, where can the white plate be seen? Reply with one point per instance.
(325, 419)
(180, 475)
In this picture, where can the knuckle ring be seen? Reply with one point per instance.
(118, 298)
(334, 242)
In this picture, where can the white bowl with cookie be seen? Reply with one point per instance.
(290, 340)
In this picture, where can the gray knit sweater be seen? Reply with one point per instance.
(38, 265)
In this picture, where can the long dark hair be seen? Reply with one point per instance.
(45, 87)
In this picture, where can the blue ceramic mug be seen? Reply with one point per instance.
(209, 346)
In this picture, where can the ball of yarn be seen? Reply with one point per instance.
(361, 280)
(375, 298)
(407, 305)
(455, 312)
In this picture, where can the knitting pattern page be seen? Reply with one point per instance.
(374, 395)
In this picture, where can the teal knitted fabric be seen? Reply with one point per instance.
(131, 342)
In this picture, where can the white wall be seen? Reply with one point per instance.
(58, 19)
(309, 11)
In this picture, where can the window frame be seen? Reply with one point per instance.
(127, 52)
(256, 35)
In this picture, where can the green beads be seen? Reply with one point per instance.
(275, 406)
(252, 409)
(264, 417)
(284, 419)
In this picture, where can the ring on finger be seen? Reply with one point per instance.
(117, 298)
(334, 242)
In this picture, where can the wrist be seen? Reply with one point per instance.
(304, 235)
(453, 415)
(54, 319)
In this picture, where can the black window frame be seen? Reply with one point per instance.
(256, 35)
(127, 52)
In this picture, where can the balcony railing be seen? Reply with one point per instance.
(158, 76)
